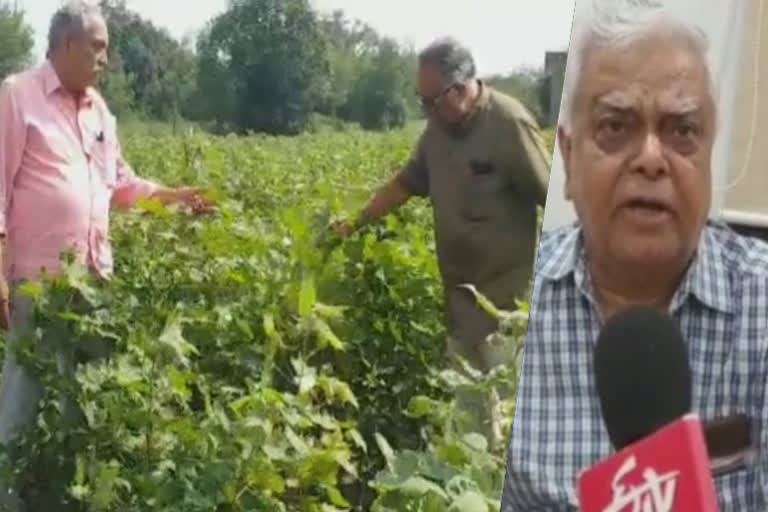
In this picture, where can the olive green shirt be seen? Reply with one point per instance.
(485, 180)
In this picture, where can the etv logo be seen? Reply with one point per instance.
(657, 494)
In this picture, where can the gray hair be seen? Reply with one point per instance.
(454, 60)
(617, 24)
(70, 19)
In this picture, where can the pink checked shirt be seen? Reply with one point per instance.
(60, 167)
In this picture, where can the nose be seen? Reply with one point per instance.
(650, 160)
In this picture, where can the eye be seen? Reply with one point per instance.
(613, 126)
(614, 131)
(685, 130)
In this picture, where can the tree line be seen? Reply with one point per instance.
(273, 66)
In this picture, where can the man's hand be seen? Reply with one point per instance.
(191, 197)
(5, 314)
(5, 292)
(344, 229)
(389, 197)
(5, 306)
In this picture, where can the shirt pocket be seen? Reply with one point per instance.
(109, 167)
(481, 189)
(105, 151)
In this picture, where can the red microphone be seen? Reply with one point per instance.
(643, 381)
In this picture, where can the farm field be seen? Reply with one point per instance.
(258, 365)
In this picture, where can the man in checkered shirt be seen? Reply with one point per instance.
(638, 125)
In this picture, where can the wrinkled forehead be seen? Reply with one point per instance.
(653, 76)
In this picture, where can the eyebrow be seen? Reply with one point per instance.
(622, 104)
(617, 99)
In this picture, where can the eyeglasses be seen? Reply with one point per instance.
(428, 103)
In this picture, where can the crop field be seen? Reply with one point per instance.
(257, 364)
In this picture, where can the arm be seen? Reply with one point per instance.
(533, 160)
(5, 292)
(388, 198)
(413, 180)
(130, 187)
(13, 136)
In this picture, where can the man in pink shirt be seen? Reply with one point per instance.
(60, 172)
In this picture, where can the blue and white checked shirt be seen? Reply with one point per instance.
(722, 308)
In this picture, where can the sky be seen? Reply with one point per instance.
(502, 34)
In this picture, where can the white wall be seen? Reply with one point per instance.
(746, 200)
(723, 20)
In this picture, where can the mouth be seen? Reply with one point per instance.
(647, 210)
(647, 203)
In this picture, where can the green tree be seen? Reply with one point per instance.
(526, 85)
(267, 62)
(117, 89)
(158, 69)
(372, 77)
(16, 40)
(378, 100)
(351, 45)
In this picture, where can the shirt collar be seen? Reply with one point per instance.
(52, 83)
(481, 104)
(706, 277)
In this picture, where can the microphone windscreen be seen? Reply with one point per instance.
(642, 374)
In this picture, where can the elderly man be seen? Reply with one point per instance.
(60, 168)
(639, 124)
(483, 165)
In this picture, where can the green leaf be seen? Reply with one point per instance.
(330, 312)
(470, 501)
(104, 483)
(356, 438)
(476, 441)
(307, 296)
(343, 459)
(482, 301)
(329, 508)
(296, 442)
(175, 344)
(273, 344)
(417, 486)
(275, 453)
(335, 389)
(306, 377)
(326, 335)
(420, 406)
(268, 320)
(31, 289)
(336, 497)
(152, 206)
(386, 450)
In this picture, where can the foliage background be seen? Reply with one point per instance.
(266, 66)
(258, 364)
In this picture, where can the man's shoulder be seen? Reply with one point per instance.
(20, 80)
(743, 255)
(557, 247)
(510, 109)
